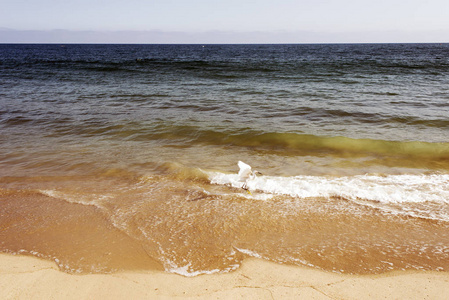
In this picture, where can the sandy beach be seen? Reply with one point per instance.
(23, 277)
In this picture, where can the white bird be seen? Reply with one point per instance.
(246, 174)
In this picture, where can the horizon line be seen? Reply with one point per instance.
(65, 36)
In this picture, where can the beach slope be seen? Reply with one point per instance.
(23, 277)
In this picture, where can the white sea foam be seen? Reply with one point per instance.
(249, 252)
(377, 188)
(93, 200)
(184, 271)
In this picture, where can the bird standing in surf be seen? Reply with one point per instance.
(246, 174)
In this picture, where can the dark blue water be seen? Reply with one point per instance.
(400, 85)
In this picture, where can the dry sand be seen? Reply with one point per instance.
(23, 277)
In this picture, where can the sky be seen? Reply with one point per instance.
(227, 21)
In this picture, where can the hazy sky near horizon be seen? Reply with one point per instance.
(193, 16)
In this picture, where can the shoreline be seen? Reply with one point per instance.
(26, 277)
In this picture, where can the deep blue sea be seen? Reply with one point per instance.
(142, 143)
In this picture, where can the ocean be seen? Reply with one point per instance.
(125, 157)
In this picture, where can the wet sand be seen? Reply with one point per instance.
(191, 227)
(25, 277)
